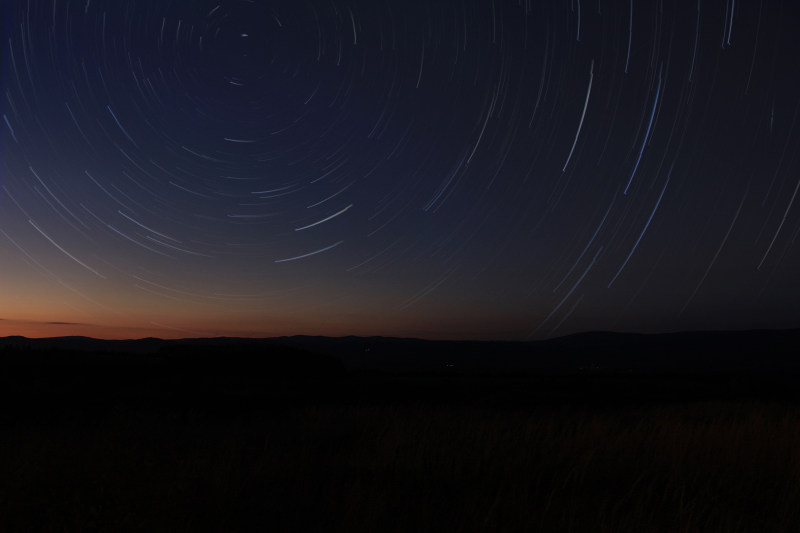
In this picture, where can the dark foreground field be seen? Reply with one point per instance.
(242, 437)
(480, 460)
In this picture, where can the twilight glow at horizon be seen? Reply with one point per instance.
(477, 169)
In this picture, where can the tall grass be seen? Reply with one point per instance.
(704, 466)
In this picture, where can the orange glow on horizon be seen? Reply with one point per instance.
(47, 329)
(165, 329)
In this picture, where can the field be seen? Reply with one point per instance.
(473, 460)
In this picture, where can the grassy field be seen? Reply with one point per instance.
(404, 466)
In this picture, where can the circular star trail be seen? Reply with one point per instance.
(472, 169)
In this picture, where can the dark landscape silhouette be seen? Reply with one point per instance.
(80, 364)
(599, 431)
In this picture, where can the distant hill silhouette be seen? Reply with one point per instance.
(682, 352)
(597, 366)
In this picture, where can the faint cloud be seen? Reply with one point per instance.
(16, 322)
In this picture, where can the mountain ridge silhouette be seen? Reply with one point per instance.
(593, 351)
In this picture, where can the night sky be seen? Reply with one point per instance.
(463, 169)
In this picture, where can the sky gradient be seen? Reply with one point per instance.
(436, 169)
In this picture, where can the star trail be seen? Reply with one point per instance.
(452, 169)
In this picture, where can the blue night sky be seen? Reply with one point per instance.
(468, 169)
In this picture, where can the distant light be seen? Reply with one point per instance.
(245, 35)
